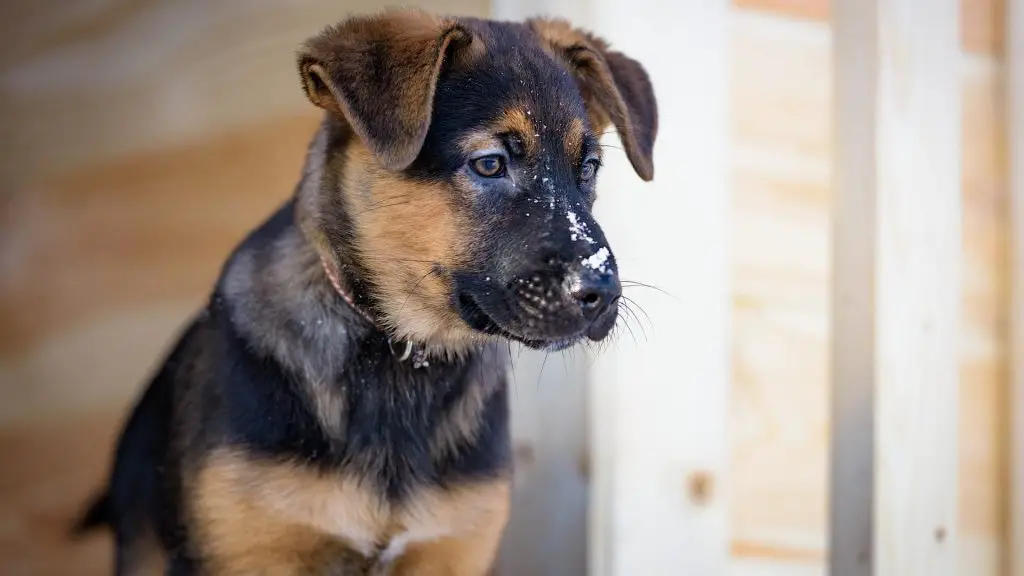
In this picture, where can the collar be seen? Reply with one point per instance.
(407, 349)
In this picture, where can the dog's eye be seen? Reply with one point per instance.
(489, 166)
(589, 169)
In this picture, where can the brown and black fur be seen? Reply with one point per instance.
(286, 432)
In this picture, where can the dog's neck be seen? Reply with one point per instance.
(324, 217)
(406, 351)
(281, 299)
(302, 296)
(325, 223)
(334, 275)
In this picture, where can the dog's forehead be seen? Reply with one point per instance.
(517, 76)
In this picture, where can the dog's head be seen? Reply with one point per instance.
(459, 170)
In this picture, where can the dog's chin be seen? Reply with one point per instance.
(479, 320)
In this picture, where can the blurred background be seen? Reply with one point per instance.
(141, 139)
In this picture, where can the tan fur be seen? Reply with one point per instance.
(261, 517)
(478, 140)
(409, 234)
(573, 139)
(472, 555)
(515, 121)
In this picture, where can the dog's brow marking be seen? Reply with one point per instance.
(517, 121)
(573, 139)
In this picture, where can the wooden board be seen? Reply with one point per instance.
(981, 21)
(781, 110)
(1015, 104)
(660, 407)
(896, 289)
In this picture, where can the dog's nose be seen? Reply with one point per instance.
(594, 291)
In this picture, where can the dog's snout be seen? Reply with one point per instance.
(594, 291)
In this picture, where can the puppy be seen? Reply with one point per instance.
(339, 405)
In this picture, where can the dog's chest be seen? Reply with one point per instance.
(245, 505)
(402, 427)
(383, 532)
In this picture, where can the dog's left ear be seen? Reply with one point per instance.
(615, 88)
(378, 74)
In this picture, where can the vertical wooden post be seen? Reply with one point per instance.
(1015, 114)
(852, 453)
(659, 407)
(548, 530)
(896, 299)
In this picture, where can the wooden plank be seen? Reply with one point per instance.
(1015, 115)
(981, 26)
(659, 402)
(897, 250)
(548, 530)
(804, 9)
(852, 487)
(136, 87)
(660, 406)
(781, 86)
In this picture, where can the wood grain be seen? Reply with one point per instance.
(58, 465)
(118, 211)
(660, 407)
(981, 28)
(781, 147)
(1014, 106)
(86, 81)
(897, 258)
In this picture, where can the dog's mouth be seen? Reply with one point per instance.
(475, 315)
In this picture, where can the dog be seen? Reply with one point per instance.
(339, 405)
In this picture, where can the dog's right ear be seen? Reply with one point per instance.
(379, 73)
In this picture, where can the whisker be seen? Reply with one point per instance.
(588, 350)
(635, 284)
(381, 205)
(628, 307)
(625, 322)
(633, 304)
(521, 349)
(512, 369)
(403, 260)
(540, 374)
(413, 289)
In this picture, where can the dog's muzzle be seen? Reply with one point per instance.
(550, 307)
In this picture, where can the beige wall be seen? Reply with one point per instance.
(134, 159)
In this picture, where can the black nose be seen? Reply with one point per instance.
(595, 291)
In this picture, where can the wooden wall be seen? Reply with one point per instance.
(782, 113)
(140, 140)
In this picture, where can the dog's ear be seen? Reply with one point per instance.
(379, 73)
(615, 88)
